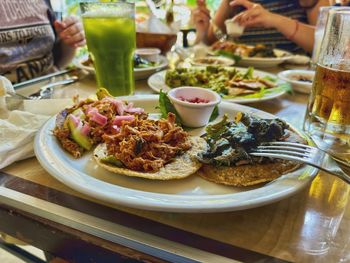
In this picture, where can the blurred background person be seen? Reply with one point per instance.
(340, 2)
(33, 42)
(285, 24)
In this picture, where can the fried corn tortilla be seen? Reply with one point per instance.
(182, 166)
(251, 174)
(246, 175)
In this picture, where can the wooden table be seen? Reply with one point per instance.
(311, 226)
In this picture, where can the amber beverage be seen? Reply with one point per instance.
(328, 114)
(327, 118)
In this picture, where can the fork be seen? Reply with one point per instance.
(46, 91)
(302, 153)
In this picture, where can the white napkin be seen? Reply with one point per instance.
(18, 128)
(299, 60)
(155, 25)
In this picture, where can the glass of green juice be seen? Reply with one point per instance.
(110, 36)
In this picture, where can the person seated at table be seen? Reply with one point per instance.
(285, 24)
(341, 3)
(33, 42)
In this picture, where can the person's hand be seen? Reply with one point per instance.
(254, 15)
(201, 18)
(71, 31)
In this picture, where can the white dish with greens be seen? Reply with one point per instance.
(142, 67)
(233, 84)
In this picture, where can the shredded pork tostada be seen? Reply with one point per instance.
(152, 149)
(226, 159)
(82, 126)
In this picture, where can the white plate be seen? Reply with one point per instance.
(157, 82)
(139, 73)
(282, 56)
(300, 86)
(220, 61)
(192, 194)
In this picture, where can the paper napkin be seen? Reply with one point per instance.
(18, 127)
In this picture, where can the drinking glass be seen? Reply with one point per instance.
(59, 8)
(320, 27)
(110, 36)
(327, 118)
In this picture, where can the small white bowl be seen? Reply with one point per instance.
(295, 78)
(150, 54)
(213, 61)
(233, 29)
(193, 114)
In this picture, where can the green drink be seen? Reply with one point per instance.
(110, 35)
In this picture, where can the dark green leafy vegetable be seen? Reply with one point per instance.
(229, 142)
(140, 62)
(214, 114)
(165, 106)
(215, 130)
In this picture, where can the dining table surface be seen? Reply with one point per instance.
(312, 225)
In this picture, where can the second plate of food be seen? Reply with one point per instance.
(259, 56)
(234, 84)
(142, 72)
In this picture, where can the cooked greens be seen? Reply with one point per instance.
(229, 142)
(140, 62)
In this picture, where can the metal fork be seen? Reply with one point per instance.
(302, 153)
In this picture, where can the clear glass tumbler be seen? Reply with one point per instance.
(327, 118)
(111, 40)
(320, 27)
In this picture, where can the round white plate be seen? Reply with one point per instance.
(300, 86)
(216, 61)
(139, 73)
(282, 56)
(192, 194)
(157, 82)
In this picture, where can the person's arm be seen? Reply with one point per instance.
(300, 33)
(201, 19)
(224, 12)
(312, 11)
(71, 36)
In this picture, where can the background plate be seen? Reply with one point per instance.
(282, 56)
(157, 82)
(139, 73)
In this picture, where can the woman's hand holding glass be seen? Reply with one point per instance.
(254, 15)
(71, 32)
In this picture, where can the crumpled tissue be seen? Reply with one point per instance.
(18, 127)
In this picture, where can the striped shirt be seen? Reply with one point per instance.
(288, 8)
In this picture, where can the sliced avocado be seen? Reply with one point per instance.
(112, 160)
(79, 113)
(102, 93)
(77, 136)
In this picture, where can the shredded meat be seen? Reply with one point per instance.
(105, 107)
(147, 145)
(68, 144)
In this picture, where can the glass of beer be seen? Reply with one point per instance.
(320, 27)
(111, 40)
(327, 118)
